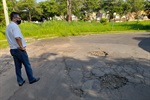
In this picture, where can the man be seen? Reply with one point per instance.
(18, 49)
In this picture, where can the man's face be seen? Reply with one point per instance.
(17, 19)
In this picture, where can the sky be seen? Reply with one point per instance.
(40, 0)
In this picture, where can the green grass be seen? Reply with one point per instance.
(63, 28)
(3, 44)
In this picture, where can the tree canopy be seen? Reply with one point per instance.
(31, 10)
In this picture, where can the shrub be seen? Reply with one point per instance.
(104, 20)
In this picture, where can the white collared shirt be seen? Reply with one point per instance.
(12, 32)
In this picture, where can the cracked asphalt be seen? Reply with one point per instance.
(91, 67)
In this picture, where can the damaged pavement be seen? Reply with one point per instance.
(91, 67)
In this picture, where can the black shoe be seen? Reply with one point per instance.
(20, 84)
(36, 79)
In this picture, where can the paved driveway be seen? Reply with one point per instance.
(92, 67)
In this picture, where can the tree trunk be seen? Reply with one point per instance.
(69, 13)
(30, 17)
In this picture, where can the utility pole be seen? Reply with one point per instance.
(6, 12)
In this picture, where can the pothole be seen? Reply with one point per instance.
(111, 81)
(98, 53)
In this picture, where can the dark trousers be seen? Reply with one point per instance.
(21, 57)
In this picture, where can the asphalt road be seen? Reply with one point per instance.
(91, 67)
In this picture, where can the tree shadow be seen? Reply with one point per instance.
(81, 77)
(81, 73)
(144, 42)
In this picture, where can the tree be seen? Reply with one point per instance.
(90, 6)
(69, 11)
(27, 8)
(2, 19)
(12, 5)
(49, 9)
(126, 8)
(110, 7)
(77, 6)
(136, 6)
(62, 7)
(147, 8)
(9, 5)
(123, 8)
(120, 7)
(30, 10)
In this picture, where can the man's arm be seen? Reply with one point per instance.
(18, 39)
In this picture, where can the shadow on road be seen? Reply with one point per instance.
(144, 42)
(80, 72)
(61, 73)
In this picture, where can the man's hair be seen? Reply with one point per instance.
(13, 15)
